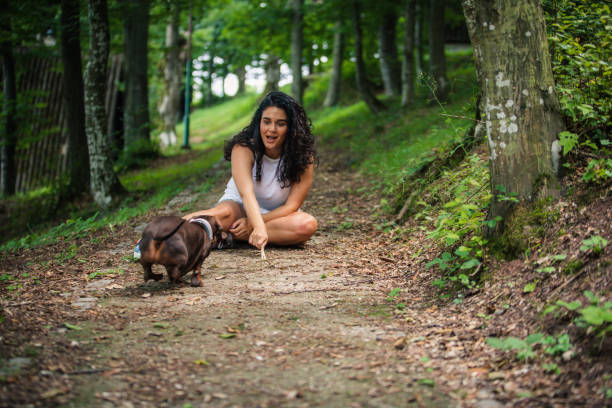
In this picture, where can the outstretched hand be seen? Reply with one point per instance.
(259, 237)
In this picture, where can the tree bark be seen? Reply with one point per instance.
(8, 177)
(333, 92)
(408, 74)
(272, 68)
(104, 181)
(73, 98)
(136, 31)
(241, 74)
(520, 109)
(363, 84)
(173, 69)
(437, 60)
(389, 62)
(418, 35)
(297, 87)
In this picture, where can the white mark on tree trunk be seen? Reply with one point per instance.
(525, 92)
(502, 145)
(491, 27)
(528, 34)
(541, 101)
(492, 149)
(555, 151)
(509, 103)
(499, 80)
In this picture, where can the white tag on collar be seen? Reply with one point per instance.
(205, 224)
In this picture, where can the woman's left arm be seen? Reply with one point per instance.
(296, 198)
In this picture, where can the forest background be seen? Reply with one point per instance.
(395, 92)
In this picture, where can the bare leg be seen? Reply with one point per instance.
(226, 212)
(292, 229)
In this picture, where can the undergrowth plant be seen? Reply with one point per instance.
(458, 223)
(581, 47)
(594, 317)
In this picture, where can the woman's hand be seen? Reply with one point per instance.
(241, 229)
(259, 237)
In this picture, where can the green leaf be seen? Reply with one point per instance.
(567, 140)
(228, 335)
(72, 326)
(593, 315)
(160, 325)
(575, 305)
(427, 381)
(530, 287)
(534, 338)
(470, 264)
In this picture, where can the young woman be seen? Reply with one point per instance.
(272, 163)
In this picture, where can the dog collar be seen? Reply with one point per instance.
(205, 224)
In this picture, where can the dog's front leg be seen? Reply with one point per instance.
(148, 273)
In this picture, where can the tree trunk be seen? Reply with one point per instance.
(73, 98)
(173, 69)
(363, 84)
(333, 92)
(136, 30)
(297, 87)
(519, 105)
(241, 74)
(209, 79)
(418, 35)
(8, 177)
(104, 181)
(272, 67)
(408, 75)
(437, 60)
(389, 62)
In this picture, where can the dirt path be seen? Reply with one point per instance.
(313, 326)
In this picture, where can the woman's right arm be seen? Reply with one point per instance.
(242, 172)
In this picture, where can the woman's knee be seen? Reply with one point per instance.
(306, 225)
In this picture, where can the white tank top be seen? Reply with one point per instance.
(268, 191)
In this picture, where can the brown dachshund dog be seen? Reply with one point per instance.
(179, 245)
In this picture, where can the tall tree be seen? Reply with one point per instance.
(297, 87)
(408, 74)
(521, 111)
(363, 85)
(333, 91)
(389, 62)
(421, 10)
(437, 59)
(173, 69)
(73, 98)
(8, 132)
(272, 68)
(136, 29)
(104, 182)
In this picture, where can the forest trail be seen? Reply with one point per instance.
(313, 326)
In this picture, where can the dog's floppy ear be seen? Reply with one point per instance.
(217, 229)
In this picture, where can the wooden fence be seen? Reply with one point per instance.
(42, 150)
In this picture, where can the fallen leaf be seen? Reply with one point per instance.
(72, 326)
(400, 343)
(202, 362)
(146, 295)
(228, 335)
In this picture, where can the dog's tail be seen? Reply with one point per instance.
(165, 237)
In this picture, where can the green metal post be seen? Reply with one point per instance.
(187, 89)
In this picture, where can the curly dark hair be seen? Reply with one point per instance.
(298, 151)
